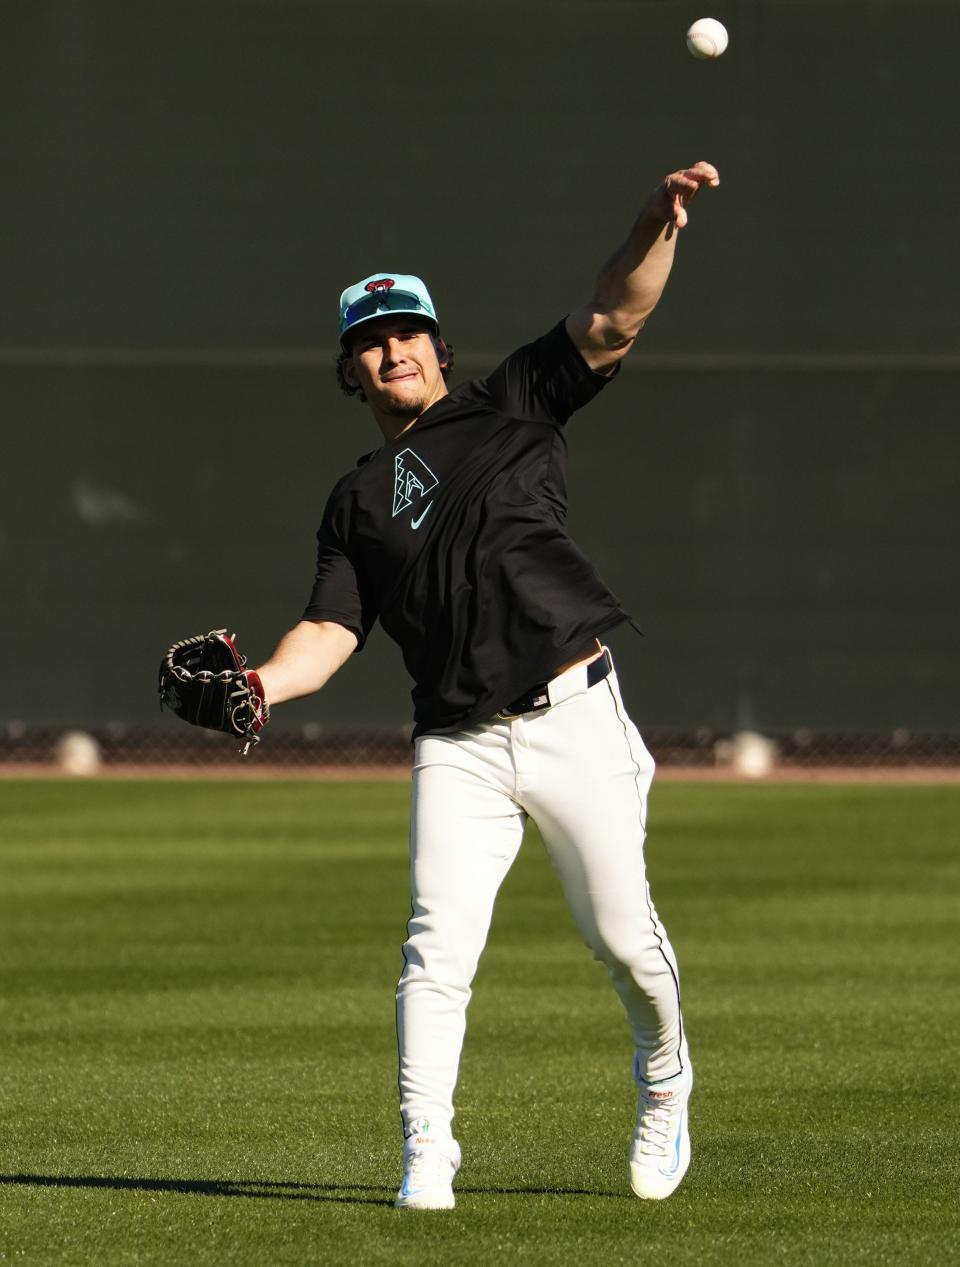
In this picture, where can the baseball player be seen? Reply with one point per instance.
(452, 535)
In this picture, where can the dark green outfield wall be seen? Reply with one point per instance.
(771, 487)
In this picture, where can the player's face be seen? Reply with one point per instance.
(398, 363)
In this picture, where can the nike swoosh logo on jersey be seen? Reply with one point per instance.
(415, 523)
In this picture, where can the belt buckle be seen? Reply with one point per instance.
(539, 700)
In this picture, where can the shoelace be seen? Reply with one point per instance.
(657, 1125)
(428, 1168)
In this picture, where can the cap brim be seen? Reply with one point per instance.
(430, 322)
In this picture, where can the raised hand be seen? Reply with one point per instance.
(680, 187)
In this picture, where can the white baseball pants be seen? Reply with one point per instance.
(582, 772)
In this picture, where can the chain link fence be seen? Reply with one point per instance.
(346, 752)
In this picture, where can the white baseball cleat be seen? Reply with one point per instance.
(660, 1152)
(430, 1161)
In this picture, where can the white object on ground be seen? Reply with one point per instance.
(78, 753)
(753, 755)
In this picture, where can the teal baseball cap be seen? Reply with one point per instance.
(381, 294)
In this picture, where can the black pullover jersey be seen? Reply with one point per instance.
(453, 536)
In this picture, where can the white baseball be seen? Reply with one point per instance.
(707, 38)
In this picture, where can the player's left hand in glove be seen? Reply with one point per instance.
(205, 681)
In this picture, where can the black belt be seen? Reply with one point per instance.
(538, 697)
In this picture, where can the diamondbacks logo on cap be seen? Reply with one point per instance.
(385, 283)
(411, 479)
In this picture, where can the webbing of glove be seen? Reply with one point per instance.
(204, 681)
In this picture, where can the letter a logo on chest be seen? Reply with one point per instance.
(411, 479)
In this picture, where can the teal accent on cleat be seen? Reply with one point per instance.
(660, 1151)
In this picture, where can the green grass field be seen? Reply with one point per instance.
(198, 1066)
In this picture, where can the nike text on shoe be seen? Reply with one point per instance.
(660, 1152)
(430, 1161)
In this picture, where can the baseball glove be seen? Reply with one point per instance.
(204, 681)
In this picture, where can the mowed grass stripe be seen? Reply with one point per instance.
(198, 1056)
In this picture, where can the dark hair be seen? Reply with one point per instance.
(349, 390)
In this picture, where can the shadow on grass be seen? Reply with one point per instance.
(253, 1189)
(267, 1190)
